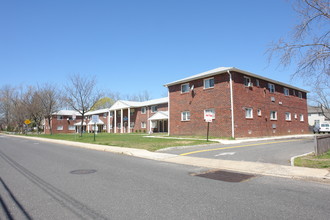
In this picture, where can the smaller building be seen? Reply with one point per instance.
(317, 116)
(63, 121)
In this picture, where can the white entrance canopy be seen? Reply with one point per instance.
(79, 123)
(99, 122)
(161, 115)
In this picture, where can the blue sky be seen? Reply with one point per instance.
(132, 46)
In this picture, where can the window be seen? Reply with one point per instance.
(257, 83)
(111, 114)
(287, 116)
(153, 108)
(316, 122)
(185, 88)
(286, 91)
(59, 117)
(60, 128)
(143, 125)
(273, 115)
(185, 116)
(301, 117)
(295, 116)
(294, 92)
(247, 81)
(208, 83)
(143, 110)
(104, 115)
(210, 110)
(132, 125)
(271, 88)
(259, 112)
(300, 95)
(104, 127)
(71, 128)
(248, 113)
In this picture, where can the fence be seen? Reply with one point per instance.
(322, 144)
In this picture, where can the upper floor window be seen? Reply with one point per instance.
(286, 91)
(154, 108)
(208, 83)
(294, 92)
(185, 88)
(271, 88)
(143, 110)
(300, 95)
(248, 113)
(287, 116)
(273, 115)
(301, 117)
(104, 115)
(259, 112)
(257, 82)
(185, 116)
(247, 81)
(59, 117)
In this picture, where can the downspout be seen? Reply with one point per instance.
(231, 104)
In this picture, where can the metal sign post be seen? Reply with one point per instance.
(208, 116)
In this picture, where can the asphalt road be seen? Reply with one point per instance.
(49, 181)
(272, 151)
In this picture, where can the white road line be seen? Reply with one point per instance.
(226, 153)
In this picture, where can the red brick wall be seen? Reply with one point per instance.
(219, 99)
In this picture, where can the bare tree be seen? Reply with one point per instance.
(81, 95)
(6, 106)
(49, 97)
(309, 43)
(19, 111)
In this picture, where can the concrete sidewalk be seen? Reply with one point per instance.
(322, 175)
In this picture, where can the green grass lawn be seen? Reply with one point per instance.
(141, 141)
(322, 161)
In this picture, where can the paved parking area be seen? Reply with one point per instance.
(271, 151)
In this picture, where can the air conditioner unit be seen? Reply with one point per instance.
(250, 84)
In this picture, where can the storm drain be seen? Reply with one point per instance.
(82, 171)
(225, 176)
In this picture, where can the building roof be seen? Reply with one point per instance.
(100, 111)
(222, 70)
(161, 115)
(67, 112)
(120, 104)
(317, 110)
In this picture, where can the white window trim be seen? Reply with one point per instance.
(249, 117)
(59, 128)
(154, 110)
(184, 116)
(269, 87)
(259, 112)
(288, 114)
(248, 81)
(300, 95)
(286, 91)
(143, 125)
(204, 82)
(275, 118)
(212, 110)
(184, 85)
(301, 117)
(145, 110)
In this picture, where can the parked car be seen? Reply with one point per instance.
(324, 128)
(316, 128)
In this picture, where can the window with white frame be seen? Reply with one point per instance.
(248, 113)
(154, 108)
(273, 115)
(143, 124)
(59, 117)
(301, 116)
(257, 82)
(300, 95)
(208, 83)
(294, 92)
(287, 116)
(259, 112)
(295, 116)
(271, 88)
(286, 91)
(210, 110)
(60, 127)
(143, 110)
(185, 88)
(185, 116)
(247, 81)
(71, 128)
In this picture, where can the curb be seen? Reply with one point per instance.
(301, 155)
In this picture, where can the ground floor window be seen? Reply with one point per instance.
(287, 116)
(185, 116)
(60, 128)
(71, 128)
(248, 113)
(143, 125)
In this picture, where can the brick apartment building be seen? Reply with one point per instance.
(243, 104)
(147, 117)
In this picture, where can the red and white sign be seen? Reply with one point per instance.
(208, 116)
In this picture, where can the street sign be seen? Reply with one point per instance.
(208, 116)
(74, 116)
(27, 122)
(95, 118)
